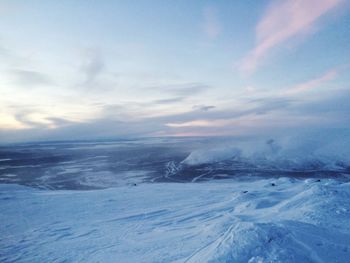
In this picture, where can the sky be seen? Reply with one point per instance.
(115, 69)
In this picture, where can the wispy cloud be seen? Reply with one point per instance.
(203, 107)
(313, 83)
(184, 89)
(216, 118)
(282, 21)
(325, 111)
(263, 115)
(167, 101)
(92, 67)
(36, 119)
(29, 78)
(195, 123)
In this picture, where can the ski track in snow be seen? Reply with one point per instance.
(227, 221)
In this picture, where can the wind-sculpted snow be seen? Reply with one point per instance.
(251, 220)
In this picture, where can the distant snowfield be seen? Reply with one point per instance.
(220, 221)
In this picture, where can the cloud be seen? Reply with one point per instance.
(195, 123)
(152, 117)
(212, 26)
(266, 105)
(184, 89)
(204, 118)
(59, 122)
(36, 119)
(282, 21)
(259, 116)
(335, 103)
(125, 120)
(312, 84)
(270, 116)
(92, 67)
(25, 120)
(30, 78)
(203, 107)
(101, 128)
(167, 101)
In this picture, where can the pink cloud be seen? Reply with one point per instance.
(199, 123)
(282, 21)
(314, 83)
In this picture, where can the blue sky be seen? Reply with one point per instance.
(97, 69)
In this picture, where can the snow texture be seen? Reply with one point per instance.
(251, 220)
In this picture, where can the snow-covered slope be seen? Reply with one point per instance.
(255, 220)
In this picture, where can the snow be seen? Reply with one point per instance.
(238, 220)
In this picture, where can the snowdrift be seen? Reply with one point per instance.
(260, 220)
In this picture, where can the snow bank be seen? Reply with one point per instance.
(264, 220)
